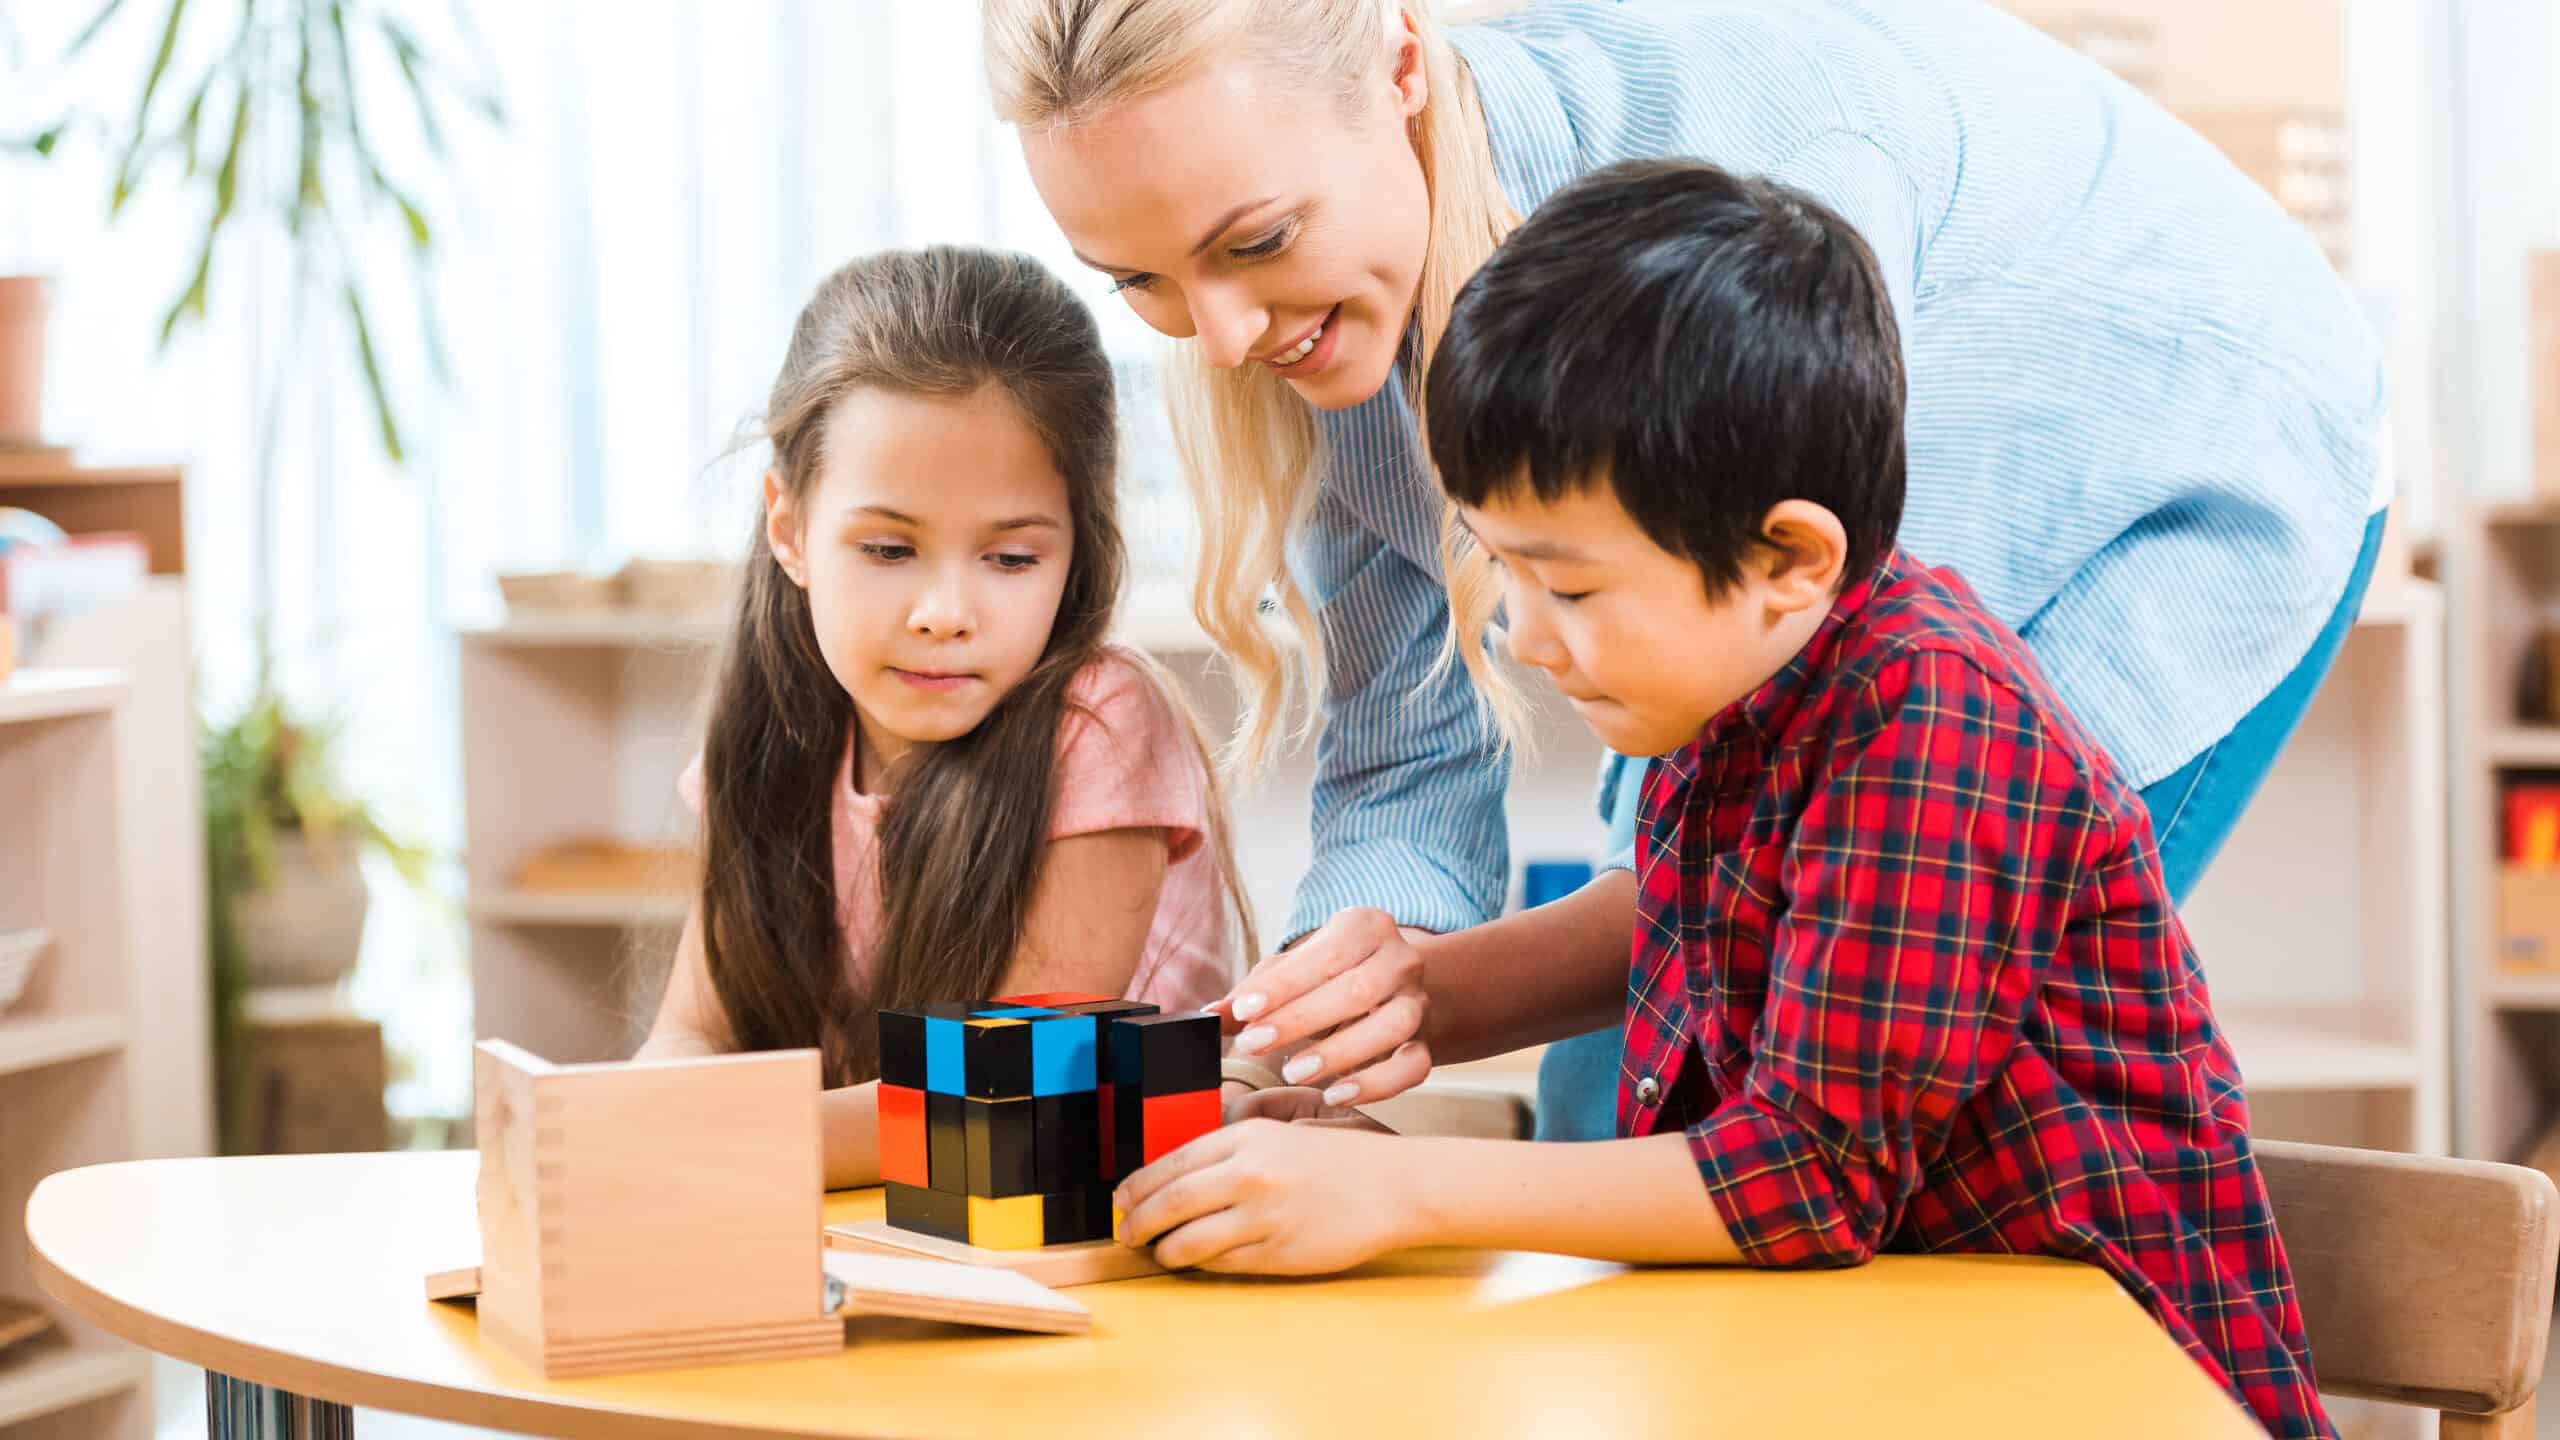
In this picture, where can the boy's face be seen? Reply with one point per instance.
(1627, 630)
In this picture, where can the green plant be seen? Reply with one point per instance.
(285, 76)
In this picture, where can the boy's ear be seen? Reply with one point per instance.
(782, 529)
(1804, 550)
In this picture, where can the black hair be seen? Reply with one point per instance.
(1704, 344)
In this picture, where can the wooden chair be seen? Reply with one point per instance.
(2422, 1281)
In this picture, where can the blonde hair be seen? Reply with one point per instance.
(1248, 444)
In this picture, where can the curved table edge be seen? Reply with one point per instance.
(521, 1411)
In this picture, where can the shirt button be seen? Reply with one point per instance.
(1648, 1090)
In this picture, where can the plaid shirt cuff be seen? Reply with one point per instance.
(1779, 1198)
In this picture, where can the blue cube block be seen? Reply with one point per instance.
(1062, 1055)
(945, 1072)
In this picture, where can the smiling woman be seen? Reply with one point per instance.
(2144, 416)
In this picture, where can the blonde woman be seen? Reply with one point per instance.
(2144, 420)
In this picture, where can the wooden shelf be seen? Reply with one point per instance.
(30, 1044)
(2280, 1056)
(608, 630)
(32, 695)
(2525, 745)
(536, 907)
(2511, 990)
(59, 1377)
(144, 500)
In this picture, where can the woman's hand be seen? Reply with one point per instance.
(1349, 1000)
(1266, 1198)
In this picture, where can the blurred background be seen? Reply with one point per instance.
(371, 382)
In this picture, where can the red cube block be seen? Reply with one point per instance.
(903, 1149)
(1174, 1121)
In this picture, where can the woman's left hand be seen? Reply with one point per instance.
(1266, 1198)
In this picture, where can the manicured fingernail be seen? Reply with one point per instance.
(1297, 1071)
(1245, 1007)
(1256, 1040)
(1342, 1094)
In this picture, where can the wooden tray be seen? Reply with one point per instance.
(591, 866)
(1057, 1266)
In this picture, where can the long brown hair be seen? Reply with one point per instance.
(967, 820)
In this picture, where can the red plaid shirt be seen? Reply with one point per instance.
(1906, 973)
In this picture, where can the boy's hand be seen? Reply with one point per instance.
(1265, 1198)
(1357, 984)
(1296, 1105)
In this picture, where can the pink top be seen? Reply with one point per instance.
(1128, 764)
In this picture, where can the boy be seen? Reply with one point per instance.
(1904, 975)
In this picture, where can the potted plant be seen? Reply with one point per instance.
(22, 307)
(285, 892)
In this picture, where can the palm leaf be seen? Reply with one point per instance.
(129, 171)
(412, 61)
(373, 377)
(90, 31)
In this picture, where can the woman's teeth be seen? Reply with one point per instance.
(1301, 350)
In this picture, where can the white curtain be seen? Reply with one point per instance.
(615, 271)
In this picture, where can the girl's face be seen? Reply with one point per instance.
(934, 544)
(1240, 209)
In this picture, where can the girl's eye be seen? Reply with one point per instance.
(1266, 247)
(1564, 598)
(886, 551)
(1140, 281)
(1009, 561)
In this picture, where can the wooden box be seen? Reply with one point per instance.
(651, 1214)
(677, 587)
(558, 592)
(2528, 918)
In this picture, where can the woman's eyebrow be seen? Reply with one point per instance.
(1225, 223)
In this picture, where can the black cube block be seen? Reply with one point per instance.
(1066, 1140)
(1128, 1134)
(1165, 1054)
(1103, 1013)
(946, 1142)
(996, 1059)
(930, 1212)
(902, 1041)
(1000, 1158)
(1071, 1217)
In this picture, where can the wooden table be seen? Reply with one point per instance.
(295, 1281)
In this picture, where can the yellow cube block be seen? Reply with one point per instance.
(1013, 1223)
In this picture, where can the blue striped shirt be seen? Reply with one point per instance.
(2142, 417)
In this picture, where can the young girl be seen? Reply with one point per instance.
(927, 776)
